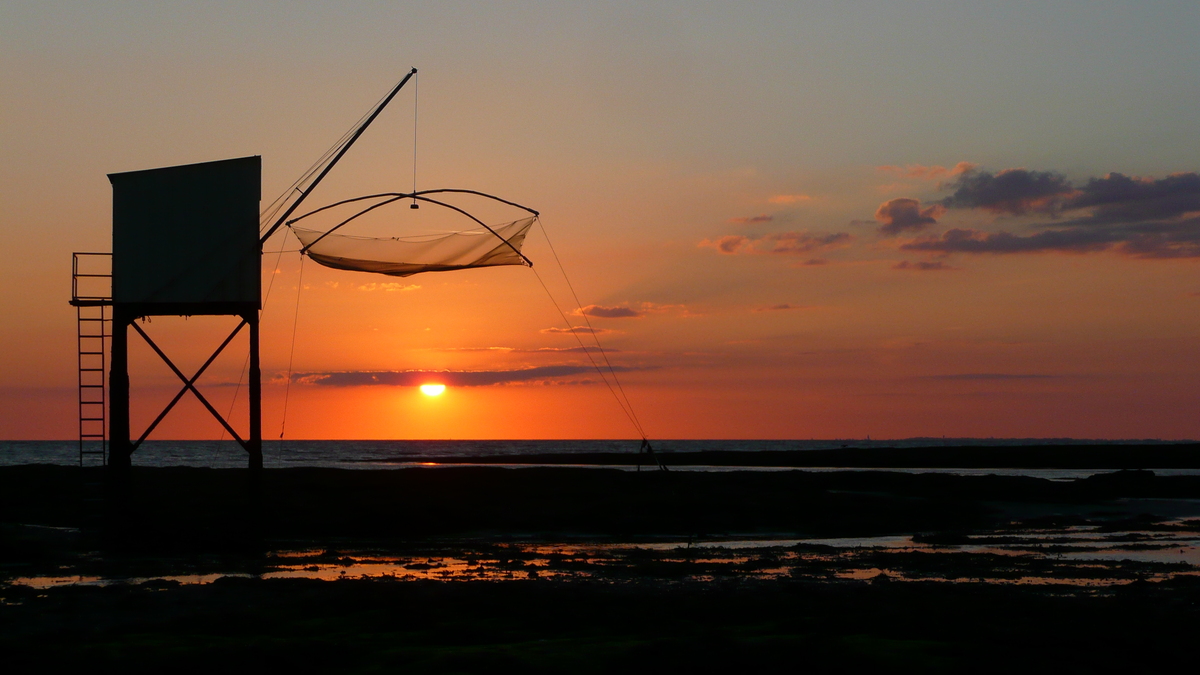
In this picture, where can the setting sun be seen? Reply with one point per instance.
(433, 389)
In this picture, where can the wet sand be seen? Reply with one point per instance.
(1075, 456)
(544, 570)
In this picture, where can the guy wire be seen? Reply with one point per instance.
(591, 329)
(571, 329)
(292, 353)
(266, 296)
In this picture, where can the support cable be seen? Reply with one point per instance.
(572, 330)
(592, 330)
(276, 206)
(262, 312)
(337, 157)
(292, 353)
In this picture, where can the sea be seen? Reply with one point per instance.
(391, 454)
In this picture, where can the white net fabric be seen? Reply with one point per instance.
(405, 256)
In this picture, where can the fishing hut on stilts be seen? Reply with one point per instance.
(185, 243)
(188, 241)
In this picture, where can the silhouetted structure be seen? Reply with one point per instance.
(185, 243)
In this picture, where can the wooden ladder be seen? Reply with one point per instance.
(91, 295)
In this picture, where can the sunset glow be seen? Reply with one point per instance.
(868, 237)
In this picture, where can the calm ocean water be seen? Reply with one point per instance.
(394, 454)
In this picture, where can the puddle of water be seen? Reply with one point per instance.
(1071, 556)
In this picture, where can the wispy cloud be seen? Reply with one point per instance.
(781, 308)
(631, 310)
(521, 350)
(789, 199)
(781, 243)
(752, 220)
(582, 330)
(991, 376)
(390, 287)
(616, 312)
(452, 378)
(921, 172)
(923, 266)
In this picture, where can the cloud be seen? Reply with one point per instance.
(780, 308)
(520, 350)
(1012, 191)
(991, 376)
(1117, 198)
(603, 312)
(922, 266)
(581, 330)
(730, 244)
(1151, 218)
(927, 172)
(452, 378)
(1178, 240)
(390, 287)
(751, 220)
(789, 199)
(781, 243)
(655, 308)
(973, 241)
(904, 213)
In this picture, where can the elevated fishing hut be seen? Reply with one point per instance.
(188, 241)
(185, 243)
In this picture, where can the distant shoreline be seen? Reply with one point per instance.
(1180, 456)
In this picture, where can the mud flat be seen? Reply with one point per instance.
(545, 570)
(162, 507)
(1074, 456)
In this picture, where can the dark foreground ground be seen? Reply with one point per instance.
(553, 627)
(534, 607)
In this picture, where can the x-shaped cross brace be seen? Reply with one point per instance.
(190, 384)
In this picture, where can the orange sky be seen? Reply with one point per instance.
(770, 198)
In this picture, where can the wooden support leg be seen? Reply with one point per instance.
(120, 447)
(255, 443)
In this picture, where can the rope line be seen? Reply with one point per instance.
(636, 422)
(292, 353)
(571, 329)
(268, 214)
(261, 313)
